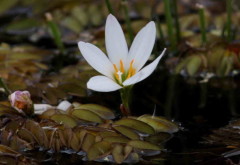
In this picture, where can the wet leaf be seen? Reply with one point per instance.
(143, 145)
(117, 153)
(38, 132)
(102, 111)
(193, 65)
(26, 135)
(88, 141)
(5, 149)
(136, 124)
(116, 139)
(98, 150)
(104, 134)
(160, 124)
(158, 138)
(6, 5)
(64, 119)
(75, 143)
(127, 132)
(87, 116)
(48, 114)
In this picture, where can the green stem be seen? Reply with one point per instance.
(55, 32)
(126, 96)
(109, 6)
(170, 26)
(128, 20)
(229, 22)
(178, 33)
(202, 23)
(4, 86)
(160, 30)
(170, 95)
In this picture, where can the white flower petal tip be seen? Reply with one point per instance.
(116, 44)
(145, 72)
(102, 84)
(96, 58)
(142, 45)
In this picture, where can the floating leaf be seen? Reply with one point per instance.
(38, 132)
(117, 153)
(26, 135)
(143, 145)
(127, 132)
(136, 124)
(88, 141)
(116, 139)
(98, 150)
(64, 119)
(160, 124)
(158, 138)
(102, 111)
(87, 116)
(104, 134)
(6, 4)
(193, 65)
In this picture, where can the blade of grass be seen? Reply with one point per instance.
(128, 20)
(4, 86)
(201, 14)
(55, 32)
(178, 32)
(109, 6)
(170, 27)
(229, 22)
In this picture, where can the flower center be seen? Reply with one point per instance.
(121, 74)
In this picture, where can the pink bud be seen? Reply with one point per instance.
(21, 100)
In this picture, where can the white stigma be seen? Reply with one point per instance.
(119, 73)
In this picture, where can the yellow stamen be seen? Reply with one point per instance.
(131, 71)
(121, 66)
(116, 75)
(115, 67)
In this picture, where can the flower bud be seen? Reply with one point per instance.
(21, 101)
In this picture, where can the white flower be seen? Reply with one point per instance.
(121, 67)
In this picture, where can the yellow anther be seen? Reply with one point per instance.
(131, 71)
(121, 66)
(115, 67)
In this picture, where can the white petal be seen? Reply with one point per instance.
(64, 105)
(102, 84)
(40, 108)
(142, 46)
(116, 44)
(144, 73)
(96, 58)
